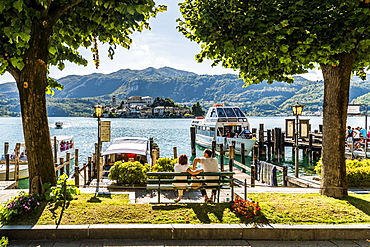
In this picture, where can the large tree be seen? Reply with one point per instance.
(272, 40)
(36, 34)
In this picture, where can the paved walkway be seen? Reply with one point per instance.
(189, 243)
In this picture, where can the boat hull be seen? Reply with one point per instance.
(23, 172)
(206, 141)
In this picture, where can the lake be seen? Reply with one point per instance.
(167, 133)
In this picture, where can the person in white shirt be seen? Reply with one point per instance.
(181, 166)
(209, 164)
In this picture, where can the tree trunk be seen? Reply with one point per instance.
(336, 96)
(32, 82)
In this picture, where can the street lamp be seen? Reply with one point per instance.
(297, 110)
(98, 112)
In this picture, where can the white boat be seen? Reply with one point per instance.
(224, 124)
(128, 149)
(59, 125)
(61, 145)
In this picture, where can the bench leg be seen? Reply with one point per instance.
(159, 196)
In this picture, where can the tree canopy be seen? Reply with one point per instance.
(271, 40)
(37, 34)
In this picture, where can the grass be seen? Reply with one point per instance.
(277, 208)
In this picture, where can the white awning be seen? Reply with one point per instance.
(133, 145)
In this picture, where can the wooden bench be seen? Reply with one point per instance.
(164, 181)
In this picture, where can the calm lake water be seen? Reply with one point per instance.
(167, 133)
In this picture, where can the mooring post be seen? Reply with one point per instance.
(242, 153)
(7, 167)
(231, 157)
(55, 150)
(85, 175)
(89, 169)
(310, 147)
(261, 140)
(269, 143)
(16, 168)
(94, 171)
(175, 152)
(213, 148)
(192, 139)
(278, 143)
(6, 148)
(68, 167)
(245, 189)
(76, 169)
(222, 157)
(62, 168)
(282, 148)
(255, 160)
(253, 172)
(285, 175)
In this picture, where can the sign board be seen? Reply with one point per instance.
(105, 131)
(289, 128)
(304, 128)
(353, 110)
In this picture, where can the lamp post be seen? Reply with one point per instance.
(98, 111)
(297, 110)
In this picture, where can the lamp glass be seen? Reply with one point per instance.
(297, 109)
(98, 110)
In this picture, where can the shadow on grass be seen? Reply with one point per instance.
(201, 210)
(360, 204)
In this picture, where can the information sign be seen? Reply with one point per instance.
(105, 131)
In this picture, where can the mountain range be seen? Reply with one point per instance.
(81, 93)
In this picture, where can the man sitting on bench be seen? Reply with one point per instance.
(209, 164)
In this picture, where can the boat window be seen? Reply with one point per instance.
(220, 112)
(230, 112)
(213, 113)
(238, 112)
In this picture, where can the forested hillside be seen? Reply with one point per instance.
(80, 93)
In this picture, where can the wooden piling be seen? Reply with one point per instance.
(192, 139)
(285, 175)
(213, 148)
(253, 174)
(282, 145)
(89, 167)
(242, 153)
(55, 150)
(269, 143)
(16, 165)
(231, 157)
(6, 148)
(175, 152)
(85, 174)
(222, 157)
(261, 141)
(61, 170)
(68, 167)
(255, 159)
(76, 169)
(7, 167)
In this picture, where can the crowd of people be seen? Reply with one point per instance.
(65, 145)
(357, 137)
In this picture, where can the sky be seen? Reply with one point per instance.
(163, 46)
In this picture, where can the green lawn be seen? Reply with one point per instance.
(276, 209)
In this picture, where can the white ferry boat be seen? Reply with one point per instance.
(224, 124)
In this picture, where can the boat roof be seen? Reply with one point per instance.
(133, 145)
(62, 137)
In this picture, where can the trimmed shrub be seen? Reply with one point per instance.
(129, 172)
(164, 165)
(358, 172)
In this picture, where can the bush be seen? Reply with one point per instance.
(129, 172)
(4, 242)
(358, 172)
(56, 193)
(17, 205)
(164, 165)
